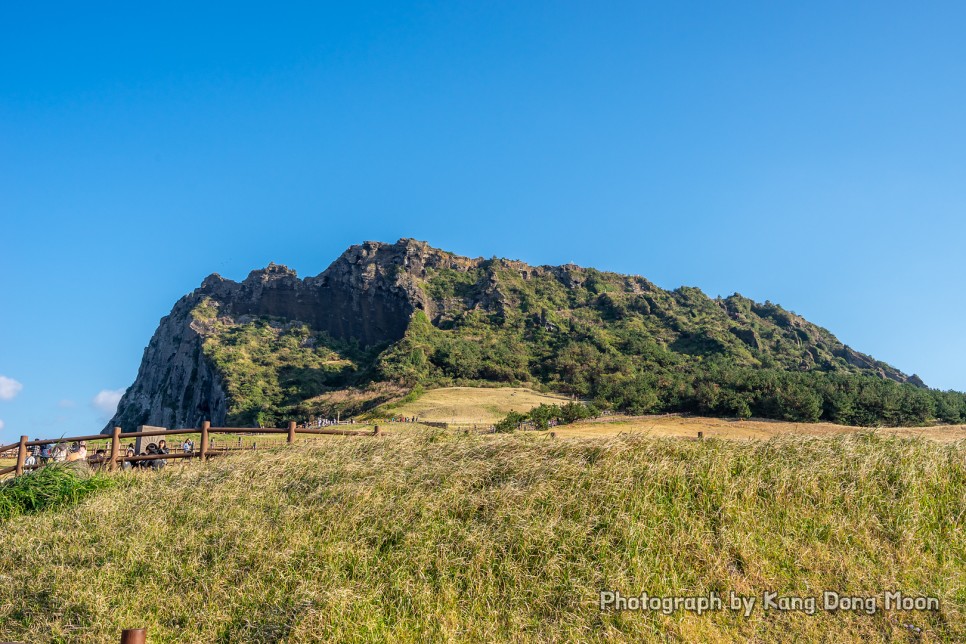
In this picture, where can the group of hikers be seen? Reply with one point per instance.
(58, 453)
(152, 449)
(76, 451)
(320, 422)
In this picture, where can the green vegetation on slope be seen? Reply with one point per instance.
(633, 347)
(272, 367)
(499, 538)
(617, 340)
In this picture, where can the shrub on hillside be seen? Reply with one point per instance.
(543, 415)
(511, 422)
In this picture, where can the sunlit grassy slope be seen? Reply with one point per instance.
(473, 404)
(453, 537)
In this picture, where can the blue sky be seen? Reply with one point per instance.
(807, 153)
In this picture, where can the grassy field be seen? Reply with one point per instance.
(425, 536)
(464, 405)
(474, 404)
(688, 427)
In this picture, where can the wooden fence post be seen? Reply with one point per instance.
(115, 447)
(291, 431)
(21, 454)
(204, 440)
(134, 636)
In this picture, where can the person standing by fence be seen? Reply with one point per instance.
(126, 465)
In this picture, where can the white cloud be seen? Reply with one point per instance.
(2, 425)
(9, 388)
(106, 401)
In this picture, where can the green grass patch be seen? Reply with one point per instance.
(54, 486)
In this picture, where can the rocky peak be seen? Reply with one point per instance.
(270, 273)
(212, 281)
(411, 255)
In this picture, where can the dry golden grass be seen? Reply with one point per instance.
(688, 427)
(474, 404)
(464, 405)
(441, 536)
(467, 405)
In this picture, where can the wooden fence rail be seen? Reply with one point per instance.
(205, 448)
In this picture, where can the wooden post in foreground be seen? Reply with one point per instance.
(376, 431)
(21, 454)
(700, 435)
(204, 440)
(291, 431)
(134, 636)
(115, 447)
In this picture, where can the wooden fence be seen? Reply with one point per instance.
(205, 450)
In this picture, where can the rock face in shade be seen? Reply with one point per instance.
(176, 385)
(370, 294)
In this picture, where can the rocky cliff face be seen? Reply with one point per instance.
(176, 385)
(367, 295)
(368, 298)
